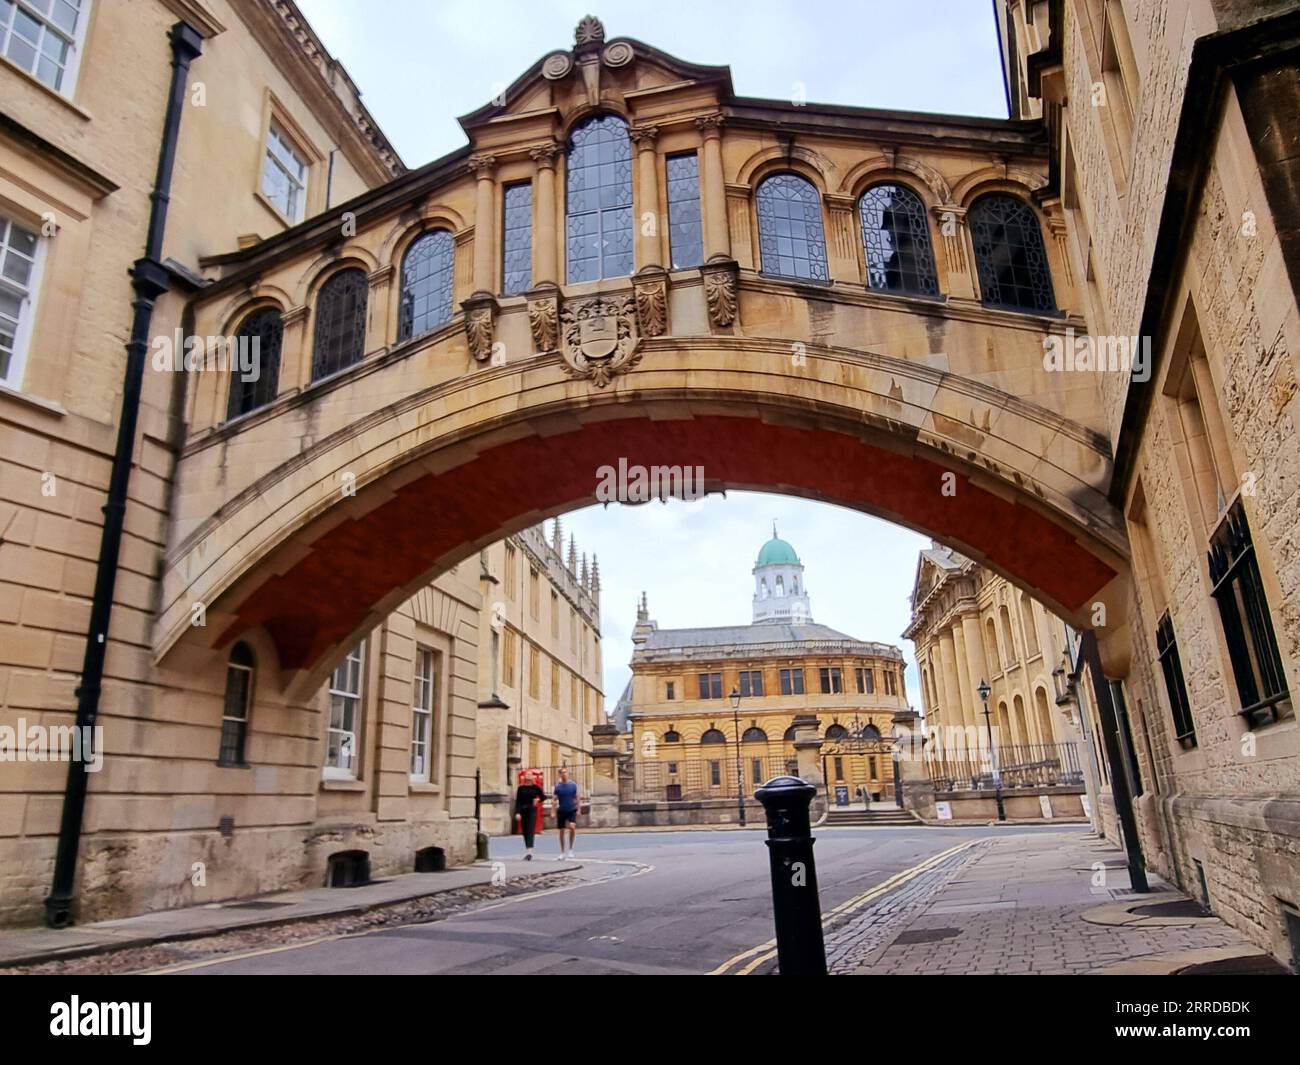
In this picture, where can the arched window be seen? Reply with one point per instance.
(713, 736)
(234, 713)
(870, 732)
(791, 238)
(426, 284)
(1031, 629)
(1009, 255)
(762, 584)
(753, 734)
(790, 734)
(672, 736)
(340, 323)
(780, 586)
(896, 240)
(836, 732)
(254, 383)
(599, 200)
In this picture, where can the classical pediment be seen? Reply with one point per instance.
(620, 73)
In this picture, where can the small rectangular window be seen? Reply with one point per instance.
(1247, 621)
(685, 230)
(751, 682)
(534, 593)
(715, 773)
(512, 575)
(343, 742)
(710, 685)
(284, 174)
(757, 766)
(555, 615)
(831, 681)
(42, 37)
(423, 699)
(792, 682)
(517, 239)
(234, 714)
(672, 691)
(19, 249)
(508, 659)
(534, 671)
(1171, 666)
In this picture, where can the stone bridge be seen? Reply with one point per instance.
(631, 262)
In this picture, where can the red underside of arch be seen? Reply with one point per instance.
(326, 595)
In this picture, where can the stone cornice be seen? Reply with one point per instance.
(324, 84)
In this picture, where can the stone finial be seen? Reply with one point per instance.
(557, 538)
(589, 31)
(582, 572)
(595, 575)
(573, 554)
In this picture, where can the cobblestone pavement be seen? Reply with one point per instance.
(1013, 904)
(395, 915)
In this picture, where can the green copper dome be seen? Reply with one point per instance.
(776, 552)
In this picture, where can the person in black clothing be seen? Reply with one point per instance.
(528, 799)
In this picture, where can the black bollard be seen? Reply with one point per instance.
(796, 906)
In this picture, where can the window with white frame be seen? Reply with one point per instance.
(18, 253)
(42, 37)
(284, 174)
(423, 699)
(343, 742)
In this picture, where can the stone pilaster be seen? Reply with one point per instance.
(648, 237)
(604, 779)
(546, 269)
(951, 223)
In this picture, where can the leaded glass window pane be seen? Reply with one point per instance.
(340, 323)
(790, 232)
(896, 240)
(599, 200)
(426, 284)
(1009, 255)
(517, 239)
(265, 330)
(685, 230)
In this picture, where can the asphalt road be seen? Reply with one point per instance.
(651, 902)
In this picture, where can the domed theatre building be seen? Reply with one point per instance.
(709, 705)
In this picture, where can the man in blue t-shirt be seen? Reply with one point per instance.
(566, 811)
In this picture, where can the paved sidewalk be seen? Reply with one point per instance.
(1032, 903)
(31, 945)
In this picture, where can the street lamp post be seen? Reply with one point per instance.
(740, 776)
(984, 691)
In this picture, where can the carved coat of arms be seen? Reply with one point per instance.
(599, 337)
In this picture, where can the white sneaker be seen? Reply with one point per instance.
(569, 855)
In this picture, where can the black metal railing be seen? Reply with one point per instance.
(669, 779)
(1028, 765)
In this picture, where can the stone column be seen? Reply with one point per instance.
(940, 683)
(481, 306)
(975, 661)
(483, 167)
(807, 749)
(546, 268)
(713, 189)
(964, 680)
(377, 325)
(648, 239)
(948, 656)
(604, 778)
(915, 784)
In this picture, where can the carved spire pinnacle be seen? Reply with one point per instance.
(573, 554)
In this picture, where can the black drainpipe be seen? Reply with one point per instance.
(150, 279)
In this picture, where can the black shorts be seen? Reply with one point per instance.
(566, 819)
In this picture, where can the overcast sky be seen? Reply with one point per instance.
(425, 62)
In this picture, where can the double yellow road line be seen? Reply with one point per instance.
(746, 963)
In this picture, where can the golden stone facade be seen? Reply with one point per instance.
(540, 667)
(706, 704)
